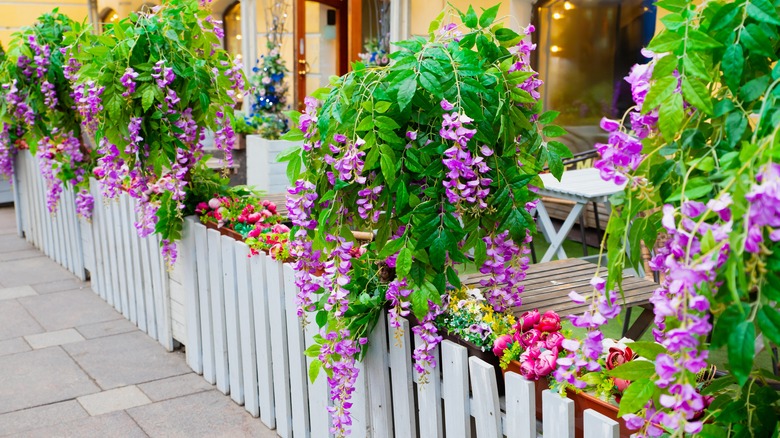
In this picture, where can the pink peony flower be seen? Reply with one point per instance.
(550, 322)
(545, 363)
(214, 203)
(528, 320)
(501, 343)
(554, 341)
(527, 370)
(529, 338)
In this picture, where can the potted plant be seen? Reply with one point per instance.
(698, 152)
(39, 111)
(435, 152)
(153, 84)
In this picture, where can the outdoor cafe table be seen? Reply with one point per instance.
(580, 186)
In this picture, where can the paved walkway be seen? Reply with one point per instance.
(71, 366)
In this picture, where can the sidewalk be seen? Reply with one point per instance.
(71, 366)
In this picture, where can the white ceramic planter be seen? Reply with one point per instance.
(262, 169)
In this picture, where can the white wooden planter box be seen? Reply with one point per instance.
(262, 169)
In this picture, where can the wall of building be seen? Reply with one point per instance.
(15, 14)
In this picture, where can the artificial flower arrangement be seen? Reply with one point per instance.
(436, 152)
(468, 315)
(37, 110)
(151, 86)
(270, 93)
(255, 221)
(376, 54)
(533, 345)
(698, 153)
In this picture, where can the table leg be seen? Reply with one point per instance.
(642, 323)
(556, 239)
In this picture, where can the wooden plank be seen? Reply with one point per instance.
(189, 265)
(596, 424)
(299, 390)
(99, 276)
(127, 234)
(359, 409)
(520, 419)
(379, 392)
(62, 234)
(455, 390)
(162, 304)
(318, 390)
(70, 230)
(232, 330)
(265, 377)
(218, 311)
(79, 250)
(18, 206)
(204, 328)
(486, 410)
(113, 293)
(557, 415)
(429, 399)
(125, 268)
(402, 380)
(135, 258)
(281, 367)
(146, 269)
(247, 328)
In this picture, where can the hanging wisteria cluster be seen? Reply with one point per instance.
(149, 107)
(415, 151)
(40, 111)
(702, 195)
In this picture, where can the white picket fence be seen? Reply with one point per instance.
(236, 316)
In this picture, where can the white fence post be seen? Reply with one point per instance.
(218, 311)
(189, 265)
(298, 387)
(486, 410)
(232, 332)
(429, 399)
(376, 360)
(402, 380)
(280, 362)
(598, 425)
(561, 411)
(520, 419)
(265, 377)
(246, 322)
(319, 397)
(455, 390)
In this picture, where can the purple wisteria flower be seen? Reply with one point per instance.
(86, 95)
(621, 154)
(128, 81)
(49, 94)
(506, 264)
(163, 75)
(397, 293)
(343, 375)
(424, 359)
(365, 203)
(110, 170)
(465, 181)
(7, 153)
(764, 211)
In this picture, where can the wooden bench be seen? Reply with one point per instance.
(547, 287)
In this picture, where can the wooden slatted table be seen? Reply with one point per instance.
(547, 286)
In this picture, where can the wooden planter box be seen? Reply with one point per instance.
(582, 402)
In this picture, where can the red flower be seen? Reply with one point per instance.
(549, 322)
(528, 320)
(618, 356)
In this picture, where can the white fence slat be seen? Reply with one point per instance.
(299, 389)
(146, 270)
(280, 361)
(138, 279)
(265, 377)
(455, 390)
(60, 235)
(113, 293)
(35, 222)
(28, 198)
(486, 410)
(70, 232)
(359, 410)
(376, 360)
(402, 380)
(318, 390)
(204, 299)
(162, 298)
(218, 311)
(77, 250)
(233, 332)
(520, 421)
(247, 328)
(44, 224)
(189, 265)
(598, 425)
(557, 415)
(129, 290)
(429, 399)
(98, 218)
(122, 250)
(18, 206)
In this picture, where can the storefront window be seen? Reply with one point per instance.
(585, 49)
(232, 23)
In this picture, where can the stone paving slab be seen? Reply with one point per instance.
(206, 414)
(42, 416)
(9, 293)
(115, 424)
(107, 328)
(112, 400)
(40, 377)
(15, 345)
(15, 321)
(61, 310)
(18, 255)
(60, 286)
(177, 386)
(38, 269)
(50, 339)
(126, 359)
(12, 243)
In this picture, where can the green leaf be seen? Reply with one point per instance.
(741, 350)
(387, 163)
(673, 21)
(664, 67)
(294, 168)
(371, 158)
(548, 117)
(288, 154)
(489, 16)
(384, 122)
(147, 99)
(553, 131)
(698, 40)
(666, 41)
(555, 164)
(754, 88)
(732, 64)
(480, 253)
(635, 396)
(401, 197)
(314, 370)
(406, 91)
(382, 106)
(507, 36)
(634, 370)
(697, 94)
(768, 320)
(670, 116)
(438, 253)
(470, 19)
(647, 349)
(403, 263)
(764, 11)
(694, 189)
(172, 35)
(559, 148)
(660, 91)
(391, 247)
